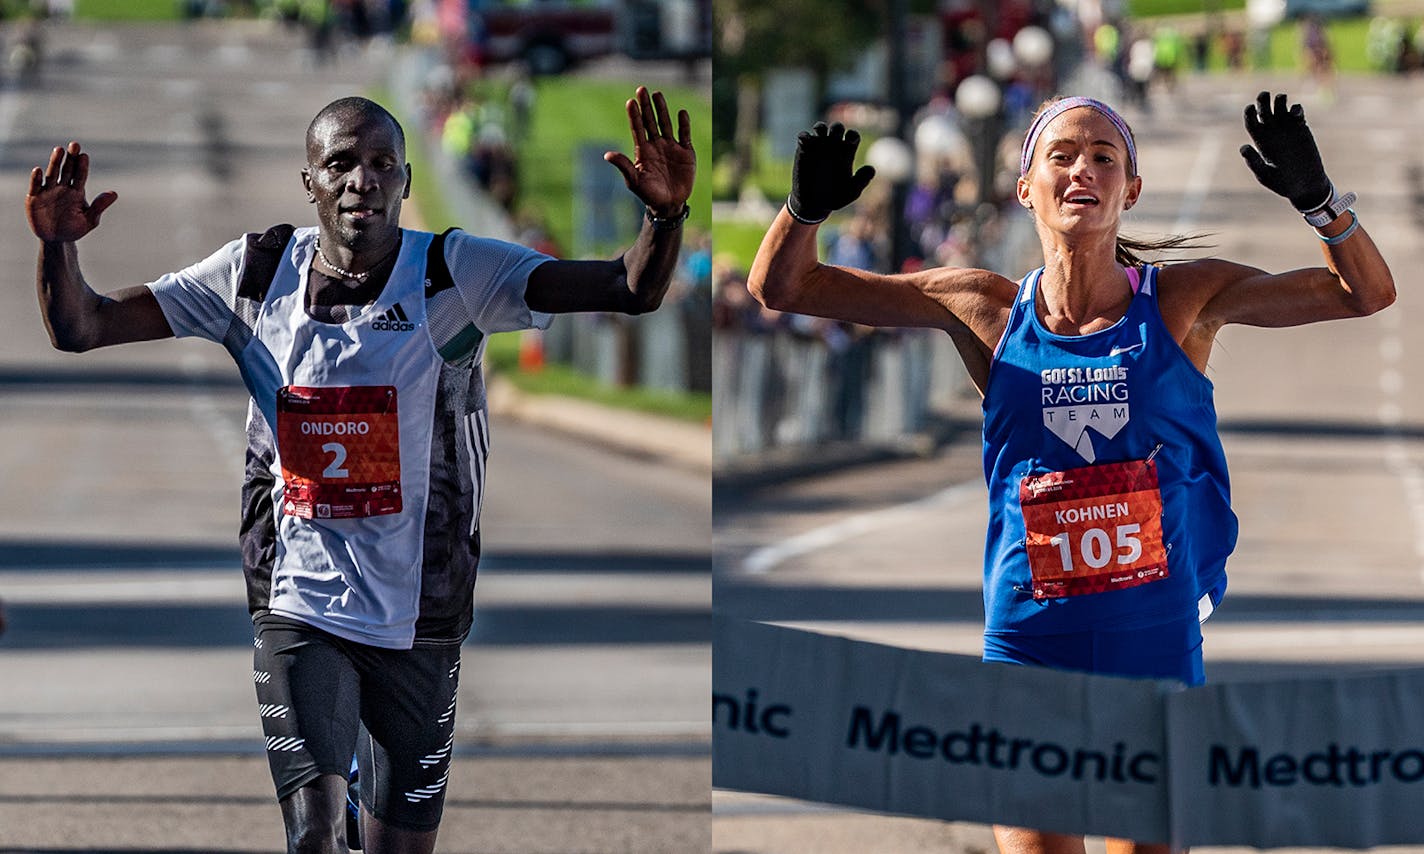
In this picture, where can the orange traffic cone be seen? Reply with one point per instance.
(531, 350)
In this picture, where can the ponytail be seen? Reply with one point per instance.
(1129, 247)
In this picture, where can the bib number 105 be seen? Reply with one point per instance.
(1098, 548)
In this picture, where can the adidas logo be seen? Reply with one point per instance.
(394, 320)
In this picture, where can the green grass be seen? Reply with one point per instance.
(1347, 35)
(126, 10)
(1347, 42)
(769, 174)
(569, 112)
(1148, 8)
(502, 357)
(737, 241)
(502, 351)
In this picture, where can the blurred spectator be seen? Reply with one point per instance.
(473, 135)
(1169, 52)
(1233, 46)
(1394, 45)
(521, 105)
(1107, 43)
(492, 160)
(315, 17)
(531, 232)
(733, 307)
(696, 261)
(855, 245)
(1384, 42)
(1201, 50)
(1315, 51)
(457, 135)
(1141, 64)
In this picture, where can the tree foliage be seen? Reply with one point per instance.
(754, 36)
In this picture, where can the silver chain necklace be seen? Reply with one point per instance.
(360, 277)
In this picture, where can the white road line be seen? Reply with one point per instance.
(1198, 183)
(9, 108)
(586, 729)
(199, 587)
(771, 806)
(1398, 457)
(764, 559)
(1229, 638)
(206, 585)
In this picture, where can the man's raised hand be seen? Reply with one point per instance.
(663, 167)
(55, 204)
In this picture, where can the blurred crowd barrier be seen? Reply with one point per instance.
(665, 350)
(789, 388)
(783, 390)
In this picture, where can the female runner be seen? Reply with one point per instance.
(1109, 509)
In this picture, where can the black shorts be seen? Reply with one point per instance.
(322, 698)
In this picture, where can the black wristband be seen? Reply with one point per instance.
(671, 223)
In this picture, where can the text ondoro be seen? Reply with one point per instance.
(991, 748)
(1330, 767)
(335, 428)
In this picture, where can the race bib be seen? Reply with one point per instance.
(1093, 529)
(340, 451)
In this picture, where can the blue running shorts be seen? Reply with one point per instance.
(1165, 651)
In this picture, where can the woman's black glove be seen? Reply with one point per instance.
(821, 177)
(1288, 161)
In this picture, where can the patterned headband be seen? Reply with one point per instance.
(1061, 106)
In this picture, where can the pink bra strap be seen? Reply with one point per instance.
(1134, 278)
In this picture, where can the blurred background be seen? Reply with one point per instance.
(942, 92)
(127, 719)
(848, 484)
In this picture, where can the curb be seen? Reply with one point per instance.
(653, 437)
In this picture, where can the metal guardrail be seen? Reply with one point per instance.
(664, 350)
(783, 391)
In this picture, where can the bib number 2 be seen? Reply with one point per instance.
(338, 457)
(1093, 529)
(340, 451)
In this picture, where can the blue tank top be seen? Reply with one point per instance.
(1080, 404)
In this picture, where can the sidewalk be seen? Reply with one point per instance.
(654, 437)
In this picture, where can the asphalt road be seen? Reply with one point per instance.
(1322, 427)
(127, 718)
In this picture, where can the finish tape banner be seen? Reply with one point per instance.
(1330, 761)
(1319, 762)
(941, 736)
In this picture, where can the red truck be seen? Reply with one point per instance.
(551, 36)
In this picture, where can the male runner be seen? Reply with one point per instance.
(360, 344)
